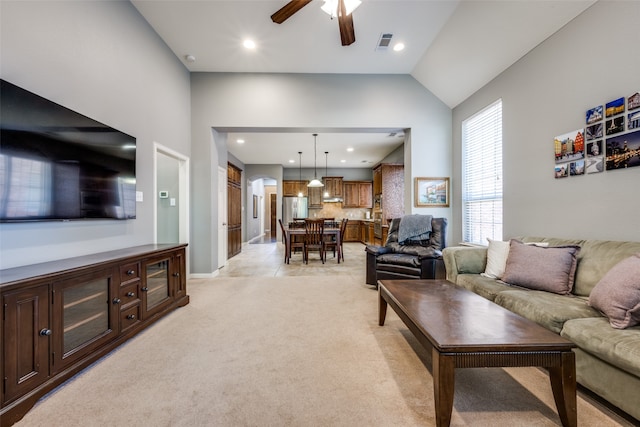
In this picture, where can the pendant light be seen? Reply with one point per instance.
(315, 182)
(300, 170)
(326, 171)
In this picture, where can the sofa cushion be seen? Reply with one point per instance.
(617, 294)
(618, 347)
(545, 308)
(543, 268)
(483, 286)
(497, 254)
(596, 257)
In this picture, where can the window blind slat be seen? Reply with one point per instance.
(482, 175)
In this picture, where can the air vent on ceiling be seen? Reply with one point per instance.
(384, 42)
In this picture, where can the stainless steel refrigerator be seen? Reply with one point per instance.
(294, 207)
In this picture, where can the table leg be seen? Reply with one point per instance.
(443, 386)
(382, 307)
(563, 384)
(288, 248)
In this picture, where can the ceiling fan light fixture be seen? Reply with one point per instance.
(330, 7)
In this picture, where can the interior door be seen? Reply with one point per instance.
(222, 217)
(272, 210)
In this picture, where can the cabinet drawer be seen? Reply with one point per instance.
(129, 272)
(129, 293)
(129, 317)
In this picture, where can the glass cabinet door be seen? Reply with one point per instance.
(85, 313)
(156, 290)
(86, 316)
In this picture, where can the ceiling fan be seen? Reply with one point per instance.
(336, 8)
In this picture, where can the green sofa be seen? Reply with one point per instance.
(607, 359)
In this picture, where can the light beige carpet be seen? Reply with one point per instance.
(290, 351)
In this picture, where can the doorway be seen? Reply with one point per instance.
(272, 216)
(171, 195)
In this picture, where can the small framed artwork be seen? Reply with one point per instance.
(570, 146)
(594, 115)
(594, 131)
(255, 206)
(633, 120)
(576, 168)
(562, 171)
(623, 151)
(614, 107)
(633, 101)
(594, 148)
(595, 165)
(615, 125)
(431, 192)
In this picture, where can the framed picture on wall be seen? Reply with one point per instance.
(431, 192)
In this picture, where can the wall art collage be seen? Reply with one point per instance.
(610, 140)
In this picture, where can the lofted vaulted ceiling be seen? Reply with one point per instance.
(452, 47)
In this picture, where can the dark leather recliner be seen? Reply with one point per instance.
(418, 260)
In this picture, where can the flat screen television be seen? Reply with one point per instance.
(58, 165)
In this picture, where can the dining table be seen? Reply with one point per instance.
(332, 230)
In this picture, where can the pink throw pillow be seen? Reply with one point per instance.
(617, 294)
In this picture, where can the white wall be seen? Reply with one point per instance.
(592, 60)
(222, 100)
(101, 59)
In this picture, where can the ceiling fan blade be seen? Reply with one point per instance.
(345, 22)
(288, 10)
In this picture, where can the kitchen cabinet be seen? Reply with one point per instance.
(333, 186)
(315, 197)
(291, 188)
(358, 194)
(352, 232)
(364, 232)
(61, 316)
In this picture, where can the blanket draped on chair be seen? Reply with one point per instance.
(414, 228)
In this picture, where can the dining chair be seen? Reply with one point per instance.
(291, 246)
(333, 244)
(343, 229)
(284, 240)
(314, 238)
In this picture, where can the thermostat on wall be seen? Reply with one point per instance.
(163, 194)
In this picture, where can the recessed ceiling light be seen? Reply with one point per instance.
(350, 149)
(291, 161)
(249, 44)
(343, 161)
(190, 58)
(398, 47)
(240, 141)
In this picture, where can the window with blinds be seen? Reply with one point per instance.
(482, 175)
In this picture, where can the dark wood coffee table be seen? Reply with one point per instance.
(464, 330)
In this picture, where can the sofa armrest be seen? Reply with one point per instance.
(376, 250)
(464, 260)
